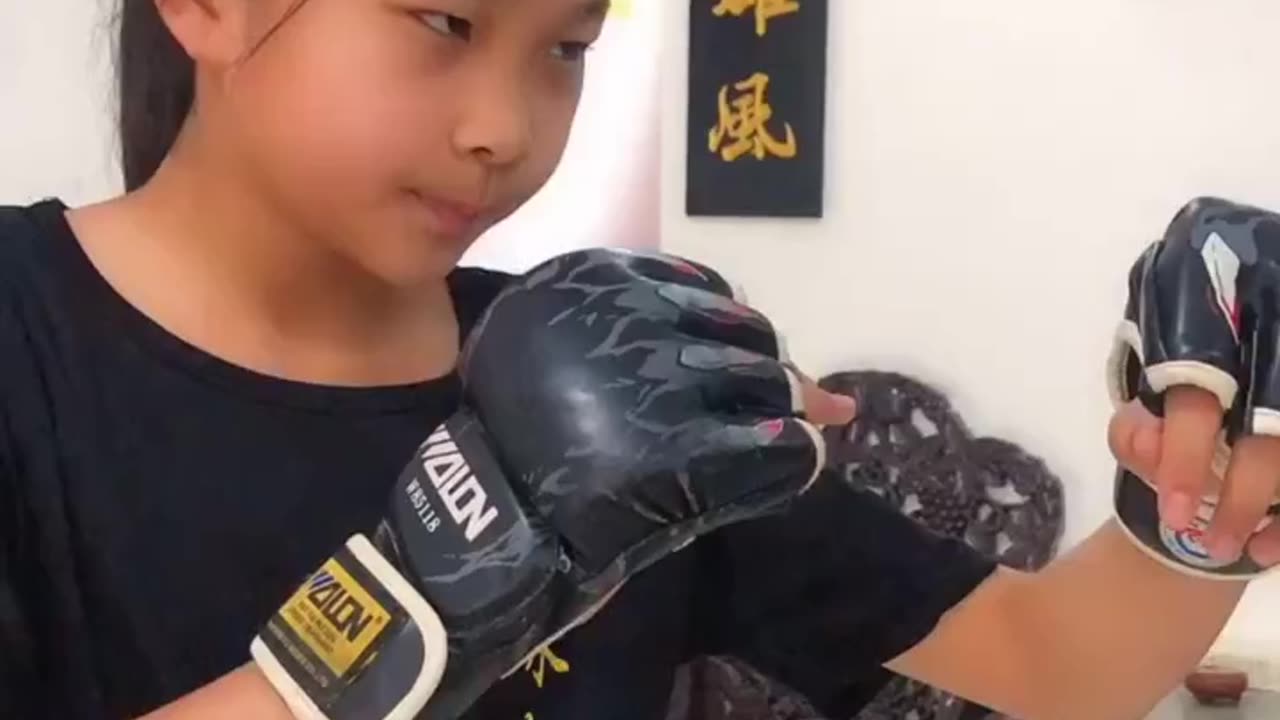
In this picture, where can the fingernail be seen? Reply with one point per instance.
(1178, 510)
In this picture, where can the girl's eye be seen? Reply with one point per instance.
(571, 51)
(446, 24)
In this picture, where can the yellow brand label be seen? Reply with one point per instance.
(335, 617)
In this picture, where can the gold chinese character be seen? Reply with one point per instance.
(743, 124)
(766, 10)
(537, 665)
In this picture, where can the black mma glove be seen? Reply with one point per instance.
(1202, 311)
(617, 406)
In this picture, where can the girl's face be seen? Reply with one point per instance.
(397, 131)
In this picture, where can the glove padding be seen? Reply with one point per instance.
(617, 406)
(1201, 311)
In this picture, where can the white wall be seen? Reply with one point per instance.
(994, 167)
(56, 136)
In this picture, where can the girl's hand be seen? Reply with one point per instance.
(1175, 455)
(826, 408)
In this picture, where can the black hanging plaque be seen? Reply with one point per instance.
(757, 96)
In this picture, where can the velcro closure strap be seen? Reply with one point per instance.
(354, 641)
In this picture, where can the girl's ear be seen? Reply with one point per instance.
(212, 32)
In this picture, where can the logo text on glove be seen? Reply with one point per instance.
(337, 605)
(335, 618)
(461, 493)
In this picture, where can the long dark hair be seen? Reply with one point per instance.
(155, 85)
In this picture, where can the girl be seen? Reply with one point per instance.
(207, 384)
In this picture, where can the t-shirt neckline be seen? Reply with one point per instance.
(93, 289)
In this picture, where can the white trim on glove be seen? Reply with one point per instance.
(797, 407)
(820, 453)
(1128, 339)
(434, 638)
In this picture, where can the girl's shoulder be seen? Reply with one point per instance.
(20, 227)
(25, 241)
(37, 253)
(25, 277)
(30, 240)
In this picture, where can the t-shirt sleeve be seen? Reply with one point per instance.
(16, 652)
(821, 596)
(15, 655)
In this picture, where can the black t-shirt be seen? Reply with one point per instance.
(157, 504)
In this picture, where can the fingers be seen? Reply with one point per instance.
(1134, 438)
(743, 381)
(796, 455)
(667, 268)
(1249, 492)
(1265, 547)
(825, 408)
(710, 316)
(740, 381)
(1193, 418)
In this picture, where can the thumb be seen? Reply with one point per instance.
(1134, 436)
(825, 408)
